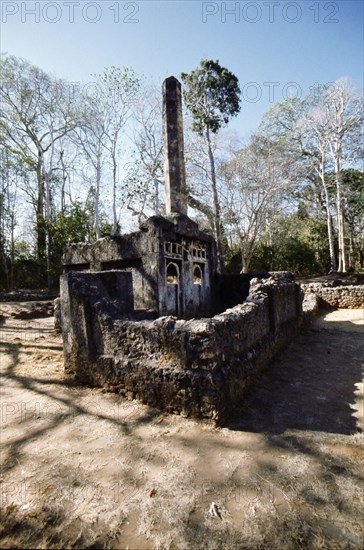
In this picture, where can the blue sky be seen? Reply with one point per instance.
(275, 48)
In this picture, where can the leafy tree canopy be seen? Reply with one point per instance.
(212, 94)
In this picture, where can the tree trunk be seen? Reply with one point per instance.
(49, 242)
(156, 188)
(340, 215)
(12, 252)
(330, 232)
(64, 180)
(215, 206)
(97, 199)
(7, 282)
(245, 261)
(246, 250)
(270, 242)
(115, 225)
(351, 249)
(41, 229)
(3, 255)
(201, 207)
(330, 235)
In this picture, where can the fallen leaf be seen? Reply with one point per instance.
(160, 418)
(10, 508)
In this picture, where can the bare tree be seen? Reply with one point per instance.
(36, 113)
(314, 140)
(344, 119)
(91, 134)
(257, 181)
(106, 109)
(321, 134)
(146, 177)
(11, 172)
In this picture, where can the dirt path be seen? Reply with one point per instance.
(85, 469)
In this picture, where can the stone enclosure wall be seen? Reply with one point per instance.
(345, 296)
(197, 367)
(131, 306)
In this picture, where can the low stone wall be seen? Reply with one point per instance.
(351, 297)
(28, 296)
(196, 367)
(26, 310)
(310, 306)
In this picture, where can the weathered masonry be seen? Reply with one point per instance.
(342, 296)
(197, 367)
(167, 267)
(137, 309)
(163, 269)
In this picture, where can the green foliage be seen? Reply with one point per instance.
(70, 226)
(298, 244)
(36, 164)
(26, 272)
(293, 255)
(232, 257)
(212, 94)
(22, 271)
(121, 82)
(105, 229)
(353, 182)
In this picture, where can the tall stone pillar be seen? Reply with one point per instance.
(174, 162)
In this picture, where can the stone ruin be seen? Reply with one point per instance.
(147, 315)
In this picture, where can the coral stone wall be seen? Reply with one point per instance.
(194, 367)
(351, 297)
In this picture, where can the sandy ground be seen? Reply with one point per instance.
(86, 469)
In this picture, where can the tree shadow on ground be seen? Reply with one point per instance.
(287, 489)
(311, 386)
(65, 406)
